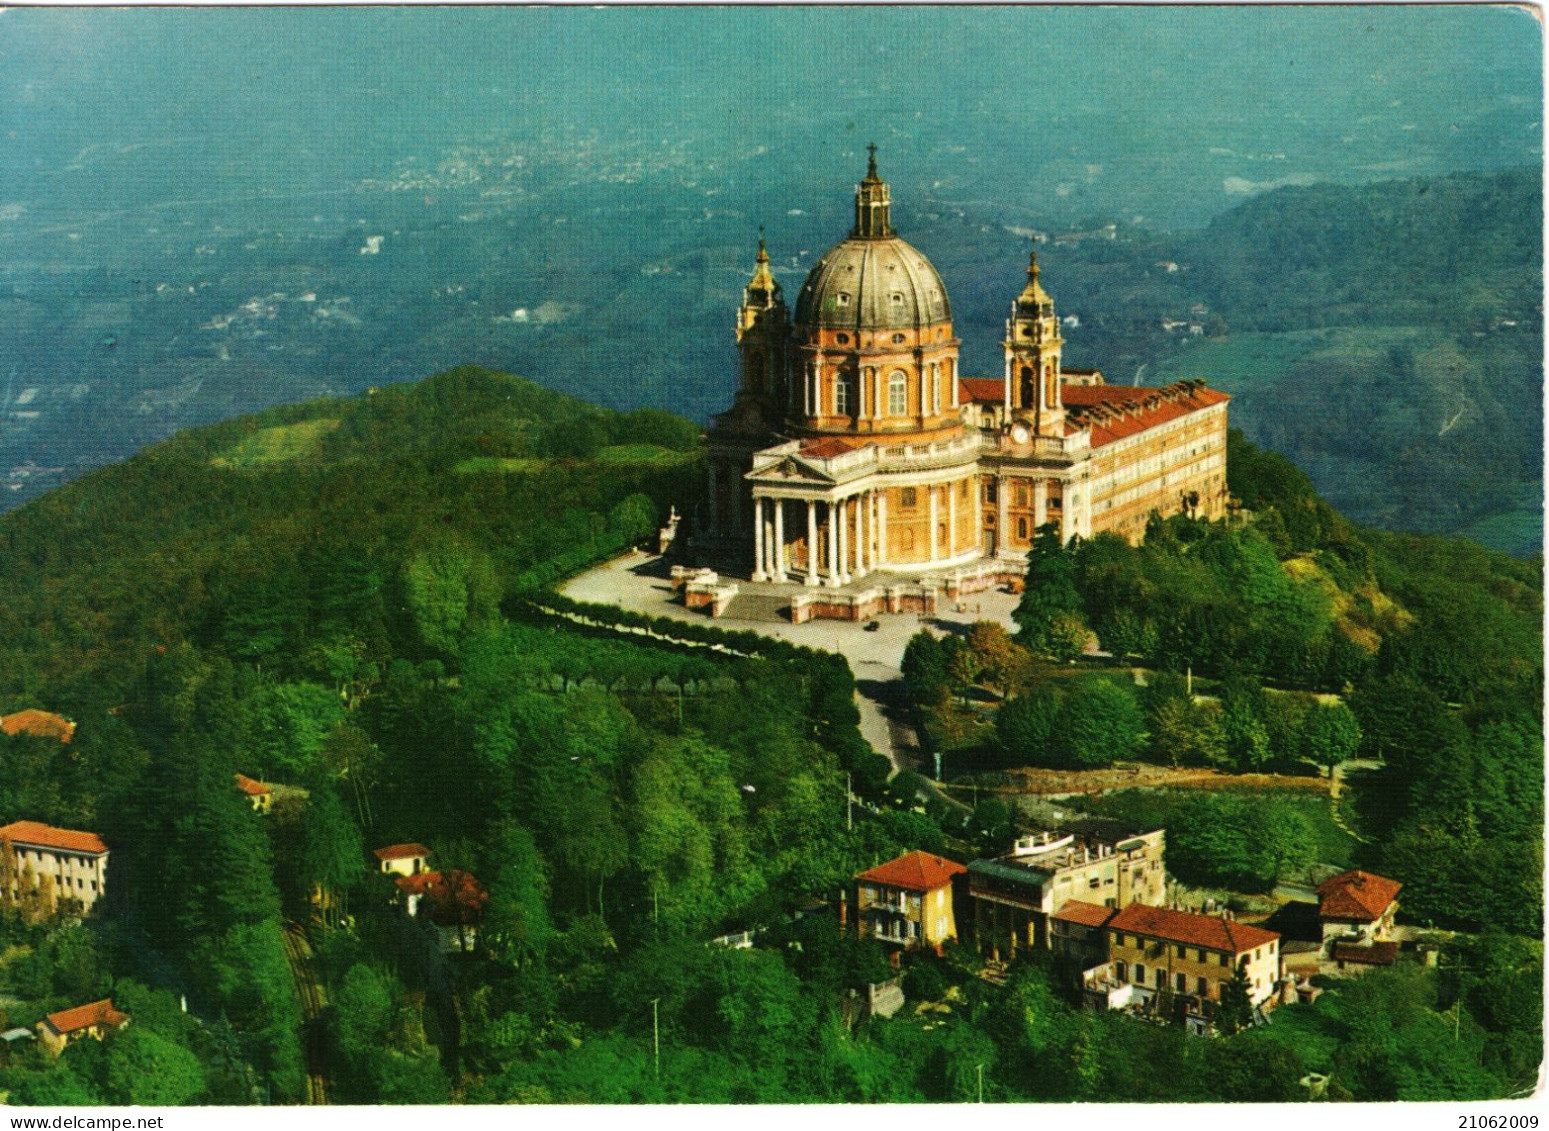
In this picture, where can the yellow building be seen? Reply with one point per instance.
(856, 459)
(1156, 949)
(908, 901)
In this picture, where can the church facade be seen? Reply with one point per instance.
(854, 447)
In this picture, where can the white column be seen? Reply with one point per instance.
(779, 539)
(862, 534)
(833, 545)
(844, 541)
(812, 542)
(1008, 382)
(1040, 503)
(882, 527)
(880, 399)
(934, 508)
(861, 398)
(952, 383)
(951, 520)
(759, 573)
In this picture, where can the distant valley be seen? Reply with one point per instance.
(1392, 359)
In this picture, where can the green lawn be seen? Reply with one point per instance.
(1241, 360)
(643, 453)
(1334, 845)
(280, 444)
(513, 466)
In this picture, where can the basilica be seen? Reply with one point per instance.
(858, 461)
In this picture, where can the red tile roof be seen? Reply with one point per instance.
(829, 447)
(456, 897)
(1138, 408)
(1356, 895)
(252, 786)
(400, 851)
(1083, 913)
(1371, 954)
(35, 834)
(915, 871)
(982, 390)
(1206, 931)
(39, 723)
(416, 884)
(85, 1016)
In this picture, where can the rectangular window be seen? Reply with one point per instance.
(1202, 987)
(1181, 981)
(907, 497)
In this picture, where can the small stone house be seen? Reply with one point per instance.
(95, 1020)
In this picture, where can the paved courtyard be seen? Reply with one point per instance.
(641, 582)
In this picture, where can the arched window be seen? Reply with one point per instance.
(897, 393)
(1028, 393)
(841, 395)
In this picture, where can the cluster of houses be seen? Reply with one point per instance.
(1094, 892)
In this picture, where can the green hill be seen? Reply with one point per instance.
(336, 598)
(1389, 339)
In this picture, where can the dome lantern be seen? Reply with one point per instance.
(873, 204)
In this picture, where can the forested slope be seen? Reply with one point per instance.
(334, 598)
(1389, 339)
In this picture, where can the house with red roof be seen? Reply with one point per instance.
(72, 865)
(39, 724)
(260, 795)
(1156, 950)
(908, 901)
(1356, 910)
(401, 859)
(95, 1020)
(1076, 932)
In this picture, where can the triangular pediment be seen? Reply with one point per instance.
(791, 468)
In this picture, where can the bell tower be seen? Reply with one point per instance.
(1033, 358)
(763, 329)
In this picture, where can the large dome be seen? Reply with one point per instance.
(872, 284)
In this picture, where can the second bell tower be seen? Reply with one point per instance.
(1033, 359)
